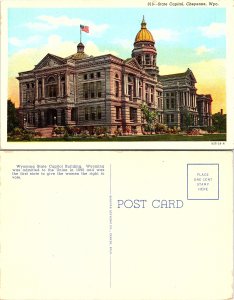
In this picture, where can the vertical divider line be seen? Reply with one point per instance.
(110, 225)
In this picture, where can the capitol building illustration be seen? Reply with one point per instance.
(88, 92)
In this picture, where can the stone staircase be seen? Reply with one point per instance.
(45, 132)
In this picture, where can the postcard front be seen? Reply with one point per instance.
(148, 75)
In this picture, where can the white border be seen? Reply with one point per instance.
(179, 145)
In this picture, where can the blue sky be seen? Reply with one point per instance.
(123, 24)
(185, 37)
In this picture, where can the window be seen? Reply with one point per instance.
(118, 112)
(146, 93)
(152, 95)
(51, 87)
(140, 89)
(39, 89)
(92, 113)
(147, 59)
(172, 103)
(133, 114)
(92, 93)
(99, 113)
(172, 118)
(139, 59)
(130, 91)
(85, 91)
(91, 76)
(167, 103)
(99, 89)
(116, 88)
(86, 113)
(85, 76)
(98, 74)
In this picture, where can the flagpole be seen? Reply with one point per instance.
(80, 34)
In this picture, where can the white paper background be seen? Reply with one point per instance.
(55, 230)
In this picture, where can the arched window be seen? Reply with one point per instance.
(51, 87)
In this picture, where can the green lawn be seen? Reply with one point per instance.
(138, 138)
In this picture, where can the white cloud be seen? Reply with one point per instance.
(164, 34)
(203, 49)
(46, 23)
(214, 30)
(14, 41)
(39, 26)
(124, 43)
(92, 49)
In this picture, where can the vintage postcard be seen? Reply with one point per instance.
(124, 75)
(116, 225)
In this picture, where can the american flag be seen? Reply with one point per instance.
(84, 28)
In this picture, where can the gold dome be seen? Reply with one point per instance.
(144, 34)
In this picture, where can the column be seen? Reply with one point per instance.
(36, 89)
(125, 84)
(177, 99)
(43, 87)
(178, 120)
(183, 99)
(59, 85)
(188, 99)
(143, 90)
(67, 84)
(137, 87)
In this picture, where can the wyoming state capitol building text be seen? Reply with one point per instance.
(89, 92)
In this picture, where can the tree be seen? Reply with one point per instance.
(219, 122)
(186, 120)
(12, 116)
(150, 117)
